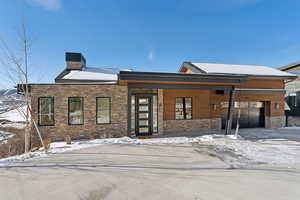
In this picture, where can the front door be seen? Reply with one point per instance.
(143, 125)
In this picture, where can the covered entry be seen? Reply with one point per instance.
(144, 112)
(252, 114)
(145, 115)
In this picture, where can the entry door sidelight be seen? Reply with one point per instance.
(143, 116)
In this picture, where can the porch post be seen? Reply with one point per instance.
(230, 111)
(129, 111)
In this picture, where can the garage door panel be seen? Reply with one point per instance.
(252, 114)
(244, 118)
(254, 117)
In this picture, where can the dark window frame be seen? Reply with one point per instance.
(39, 124)
(69, 112)
(97, 110)
(184, 108)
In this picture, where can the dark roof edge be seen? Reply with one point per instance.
(180, 77)
(289, 66)
(61, 75)
(271, 77)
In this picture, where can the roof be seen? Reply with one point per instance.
(251, 70)
(290, 66)
(89, 74)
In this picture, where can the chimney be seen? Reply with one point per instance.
(75, 61)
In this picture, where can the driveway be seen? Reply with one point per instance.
(148, 171)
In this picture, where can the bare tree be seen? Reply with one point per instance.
(16, 66)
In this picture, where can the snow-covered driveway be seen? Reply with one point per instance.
(207, 167)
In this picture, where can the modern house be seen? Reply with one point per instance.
(93, 102)
(292, 96)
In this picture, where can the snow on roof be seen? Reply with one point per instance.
(239, 69)
(88, 73)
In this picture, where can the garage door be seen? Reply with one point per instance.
(252, 114)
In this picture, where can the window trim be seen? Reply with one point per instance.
(39, 124)
(69, 112)
(97, 110)
(184, 108)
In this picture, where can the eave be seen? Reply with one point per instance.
(126, 77)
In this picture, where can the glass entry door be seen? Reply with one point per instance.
(143, 125)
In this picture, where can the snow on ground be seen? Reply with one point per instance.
(4, 136)
(17, 125)
(235, 151)
(14, 115)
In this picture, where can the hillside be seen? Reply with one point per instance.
(9, 99)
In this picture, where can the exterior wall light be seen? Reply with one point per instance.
(214, 106)
(276, 106)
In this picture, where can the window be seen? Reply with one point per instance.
(155, 114)
(220, 92)
(103, 110)
(75, 110)
(46, 111)
(183, 108)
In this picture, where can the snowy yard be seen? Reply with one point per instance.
(198, 168)
(251, 147)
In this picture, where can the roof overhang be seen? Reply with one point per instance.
(126, 77)
(194, 69)
(291, 66)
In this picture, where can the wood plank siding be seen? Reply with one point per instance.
(203, 100)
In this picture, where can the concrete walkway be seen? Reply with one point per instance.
(144, 172)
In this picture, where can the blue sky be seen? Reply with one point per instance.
(153, 35)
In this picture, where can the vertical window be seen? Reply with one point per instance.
(46, 111)
(103, 110)
(183, 108)
(75, 110)
(155, 114)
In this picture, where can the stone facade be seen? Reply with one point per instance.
(293, 121)
(274, 121)
(160, 111)
(61, 92)
(119, 109)
(216, 124)
(186, 125)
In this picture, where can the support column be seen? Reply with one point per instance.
(230, 111)
(129, 112)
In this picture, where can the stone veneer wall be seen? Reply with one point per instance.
(160, 111)
(117, 127)
(216, 124)
(293, 121)
(192, 125)
(186, 125)
(274, 121)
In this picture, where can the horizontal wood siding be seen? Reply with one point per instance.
(273, 98)
(200, 103)
(263, 84)
(203, 100)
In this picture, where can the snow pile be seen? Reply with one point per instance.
(240, 152)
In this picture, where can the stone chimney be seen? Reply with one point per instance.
(75, 61)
